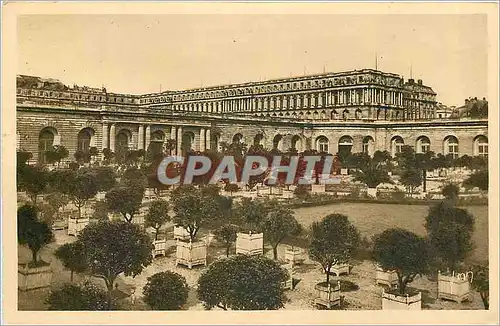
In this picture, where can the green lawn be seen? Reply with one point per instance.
(371, 219)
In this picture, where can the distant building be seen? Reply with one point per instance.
(443, 111)
(353, 111)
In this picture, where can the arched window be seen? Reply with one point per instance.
(358, 114)
(122, 140)
(277, 142)
(258, 139)
(322, 144)
(423, 144)
(451, 146)
(397, 144)
(187, 142)
(296, 143)
(238, 138)
(368, 145)
(345, 145)
(481, 146)
(157, 140)
(84, 139)
(45, 143)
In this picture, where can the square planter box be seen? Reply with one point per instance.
(317, 189)
(191, 253)
(340, 269)
(453, 287)
(59, 224)
(397, 302)
(388, 278)
(160, 247)
(327, 295)
(371, 192)
(75, 226)
(250, 244)
(138, 219)
(294, 255)
(180, 233)
(344, 171)
(288, 284)
(30, 278)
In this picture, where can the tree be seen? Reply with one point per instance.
(446, 212)
(450, 191)
(477, 179)
(157, 215)
(481, 283)
(134, 178)
(227, 235)
(108, 156)
(57, 200)
(124, 200)
(279, 224)
(106, 177)
(170, 145)
(85, 297)
(32, 232)
(115, 247)
(22, 157)
(302, 192)
(250, 214)
(334, 240)
(372, 174)
(166, 291)
(243, 282)
(193, 207)
(402, 251)
(451, 242)
(72, 256)
(101, 210)
(80, 188)
(33, 180)
(450, 231)
(411, 179)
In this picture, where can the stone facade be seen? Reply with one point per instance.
(365, 110)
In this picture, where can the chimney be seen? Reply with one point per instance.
(411, 81)
(419, 81)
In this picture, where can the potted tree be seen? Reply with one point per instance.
(128, 245)
(80, 186)
(227, 235)
(407, 254)
(157, 216)
(450, 235)
(334, 240)
(72, 257)
(35, 234)
(372, 173)
(279, 224)
(166, 291)
(250, 213)
(192, 208)
(243, 282)
(125, 200)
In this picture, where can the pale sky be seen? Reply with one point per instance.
(138, 53)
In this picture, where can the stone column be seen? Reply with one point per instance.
(140, 137)
(208, 139)
(148, 136)
(179, 140)
(173, 135)
(105, 135)
(202, 139)
(112, 137)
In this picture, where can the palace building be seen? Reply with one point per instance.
(361, 110)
